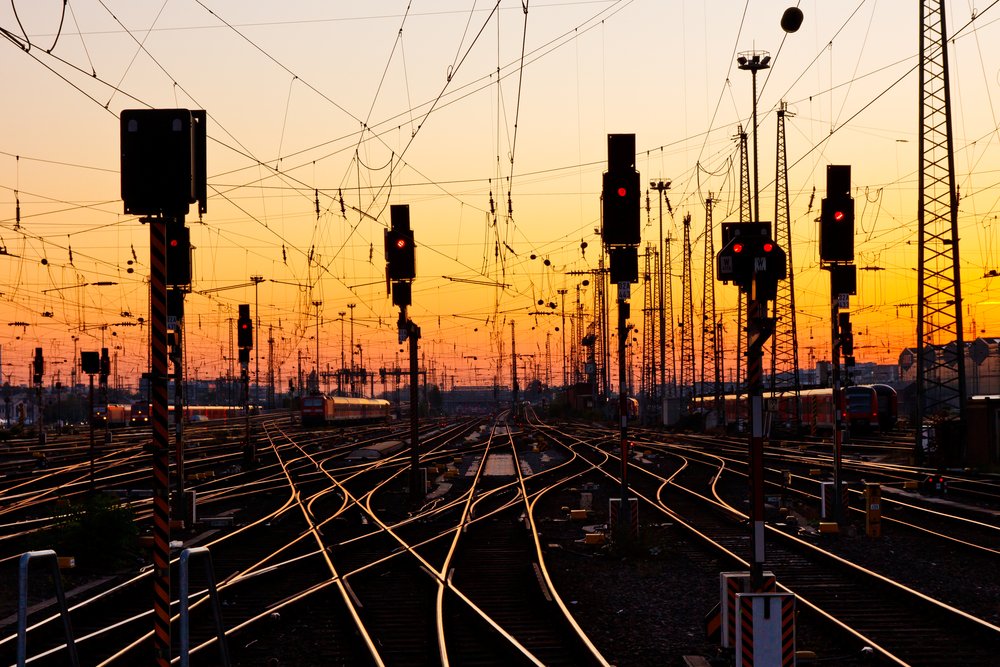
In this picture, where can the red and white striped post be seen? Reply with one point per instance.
(755, 336)
(160, 443)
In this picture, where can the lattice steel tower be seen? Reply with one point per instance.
(710, 367)
(785, 346)
(601, 350)
(746, 215)
(650, 315)
(687, 314)
(668, 307)
(940, 372)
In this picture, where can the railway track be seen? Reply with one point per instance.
(868, 607)
(327, 559)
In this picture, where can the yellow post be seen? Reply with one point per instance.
(873, 510)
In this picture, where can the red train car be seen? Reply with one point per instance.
(863, 408)
(111, 415)
(321, 410)
(139, 413)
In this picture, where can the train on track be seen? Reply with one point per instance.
(322, 410)
(864, 408)
(111, 415)
(139, 412)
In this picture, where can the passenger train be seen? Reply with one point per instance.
(322, 410)
(139, 414)
(864, 408)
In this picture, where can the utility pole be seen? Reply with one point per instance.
(661, 186)
(710, 367)
(351, 306)
(941, 385)
(513, 370)
(562, 294)
(687, 314)
(256, 280)
(270, 366)
(317, 304)
(340, 375)
(785, 348)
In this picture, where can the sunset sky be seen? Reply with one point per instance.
(490, 120)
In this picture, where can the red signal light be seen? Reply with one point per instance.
(173, 243)
(622, 192)
(400, 243)
(768, 247)
(838, 216)
(737, 247)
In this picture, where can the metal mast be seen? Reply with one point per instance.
(668, 306)
(746, 215)
(785, 344)
(602, 353)
(687, 314)
(940, 376)
(709, 343)
(230, 371)
(650, 314)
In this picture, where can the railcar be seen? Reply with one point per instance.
(863, 408)
(112, 415)
(375, 451)
(323, 410)
(139, 413)
(888, 406)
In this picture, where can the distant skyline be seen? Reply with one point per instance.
(490, 120)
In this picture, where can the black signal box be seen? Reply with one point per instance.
(402, 293)
(157, 161)
(90, 362)
(178, 254)
(620, 193)
(624, 264)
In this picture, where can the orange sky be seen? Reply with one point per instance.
(386, 106)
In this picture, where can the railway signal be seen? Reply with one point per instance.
(244, 328)
(752, 261)
(621, 233)
(621, 194)
(38, 366)
(163, 172)
(846, 334)
(836, 220)
(178, 254)
(400, 257)
(400, 271)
